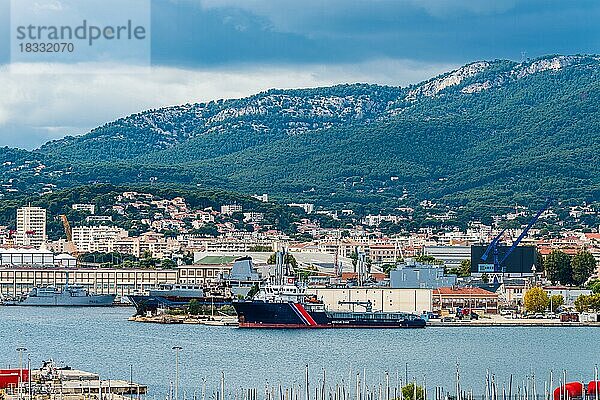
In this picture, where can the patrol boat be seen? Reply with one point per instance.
(67, 296)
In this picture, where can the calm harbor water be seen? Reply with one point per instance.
(102, 340)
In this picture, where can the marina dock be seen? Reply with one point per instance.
(217, 320)
(52, 382)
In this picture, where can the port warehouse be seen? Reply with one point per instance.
(20, 281)
(16, 281)
(382, 299)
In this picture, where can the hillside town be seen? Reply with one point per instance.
(140, 241)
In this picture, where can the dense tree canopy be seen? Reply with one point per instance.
(527, 134)
(583, 265)
(557, 265)
(536, 300)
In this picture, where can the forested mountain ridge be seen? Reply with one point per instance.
(243, 122)
(489, 131)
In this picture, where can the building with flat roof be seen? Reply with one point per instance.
(418, 275)
(97, 238)
(307, 207)
(31, 227)
(450, 299)
(451, 256)
(381, 298)
(18, 281)
(89, 208)
(229, 209)
(26, 257)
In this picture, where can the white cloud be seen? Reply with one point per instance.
(43, 102)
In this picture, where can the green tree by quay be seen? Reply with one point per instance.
(465, 268)
(583, 266)
(462, 271)
(558, 267)
(536, 300)
(556, 301)
(585, 303)
(387, 268)
(194, 308)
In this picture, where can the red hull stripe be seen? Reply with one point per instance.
(305, 314)
(299, 314)
(280, 326)
(303, 326)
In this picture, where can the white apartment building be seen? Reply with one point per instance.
(90, 208)
(264, 197)
(97, 238)
(156, 244)
(307, 207)
(375, 220)
(253, 217)
(229, 209)
(31, 227)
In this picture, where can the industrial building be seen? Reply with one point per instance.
(451, 256)
(381, 298)
(20, 281)
(450, 299)
(519, 263)
(412, 275)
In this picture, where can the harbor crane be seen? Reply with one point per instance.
(70, 246)
(498, 262)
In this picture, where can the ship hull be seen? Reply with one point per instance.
(259, 314)
(289, 315)
(69, 301)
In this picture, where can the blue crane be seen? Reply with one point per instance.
(493, 247)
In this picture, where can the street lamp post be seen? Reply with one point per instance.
(29, 391)
(130, 381)
(21, 350)
(177, 349)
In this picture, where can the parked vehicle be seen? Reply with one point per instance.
(569, 317)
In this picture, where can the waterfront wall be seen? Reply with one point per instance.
(384, 299)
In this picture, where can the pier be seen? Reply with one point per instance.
(52, 382)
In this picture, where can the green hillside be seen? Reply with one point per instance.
(489, 132)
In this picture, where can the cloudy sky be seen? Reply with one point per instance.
(210, 49)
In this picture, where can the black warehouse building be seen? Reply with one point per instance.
(519, 262)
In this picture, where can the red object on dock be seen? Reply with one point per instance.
(10, 377)
(593, 387)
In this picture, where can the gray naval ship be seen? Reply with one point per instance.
(67, 296)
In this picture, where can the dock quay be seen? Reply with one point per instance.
(217, 320)
(499, 321)
(54, 382)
